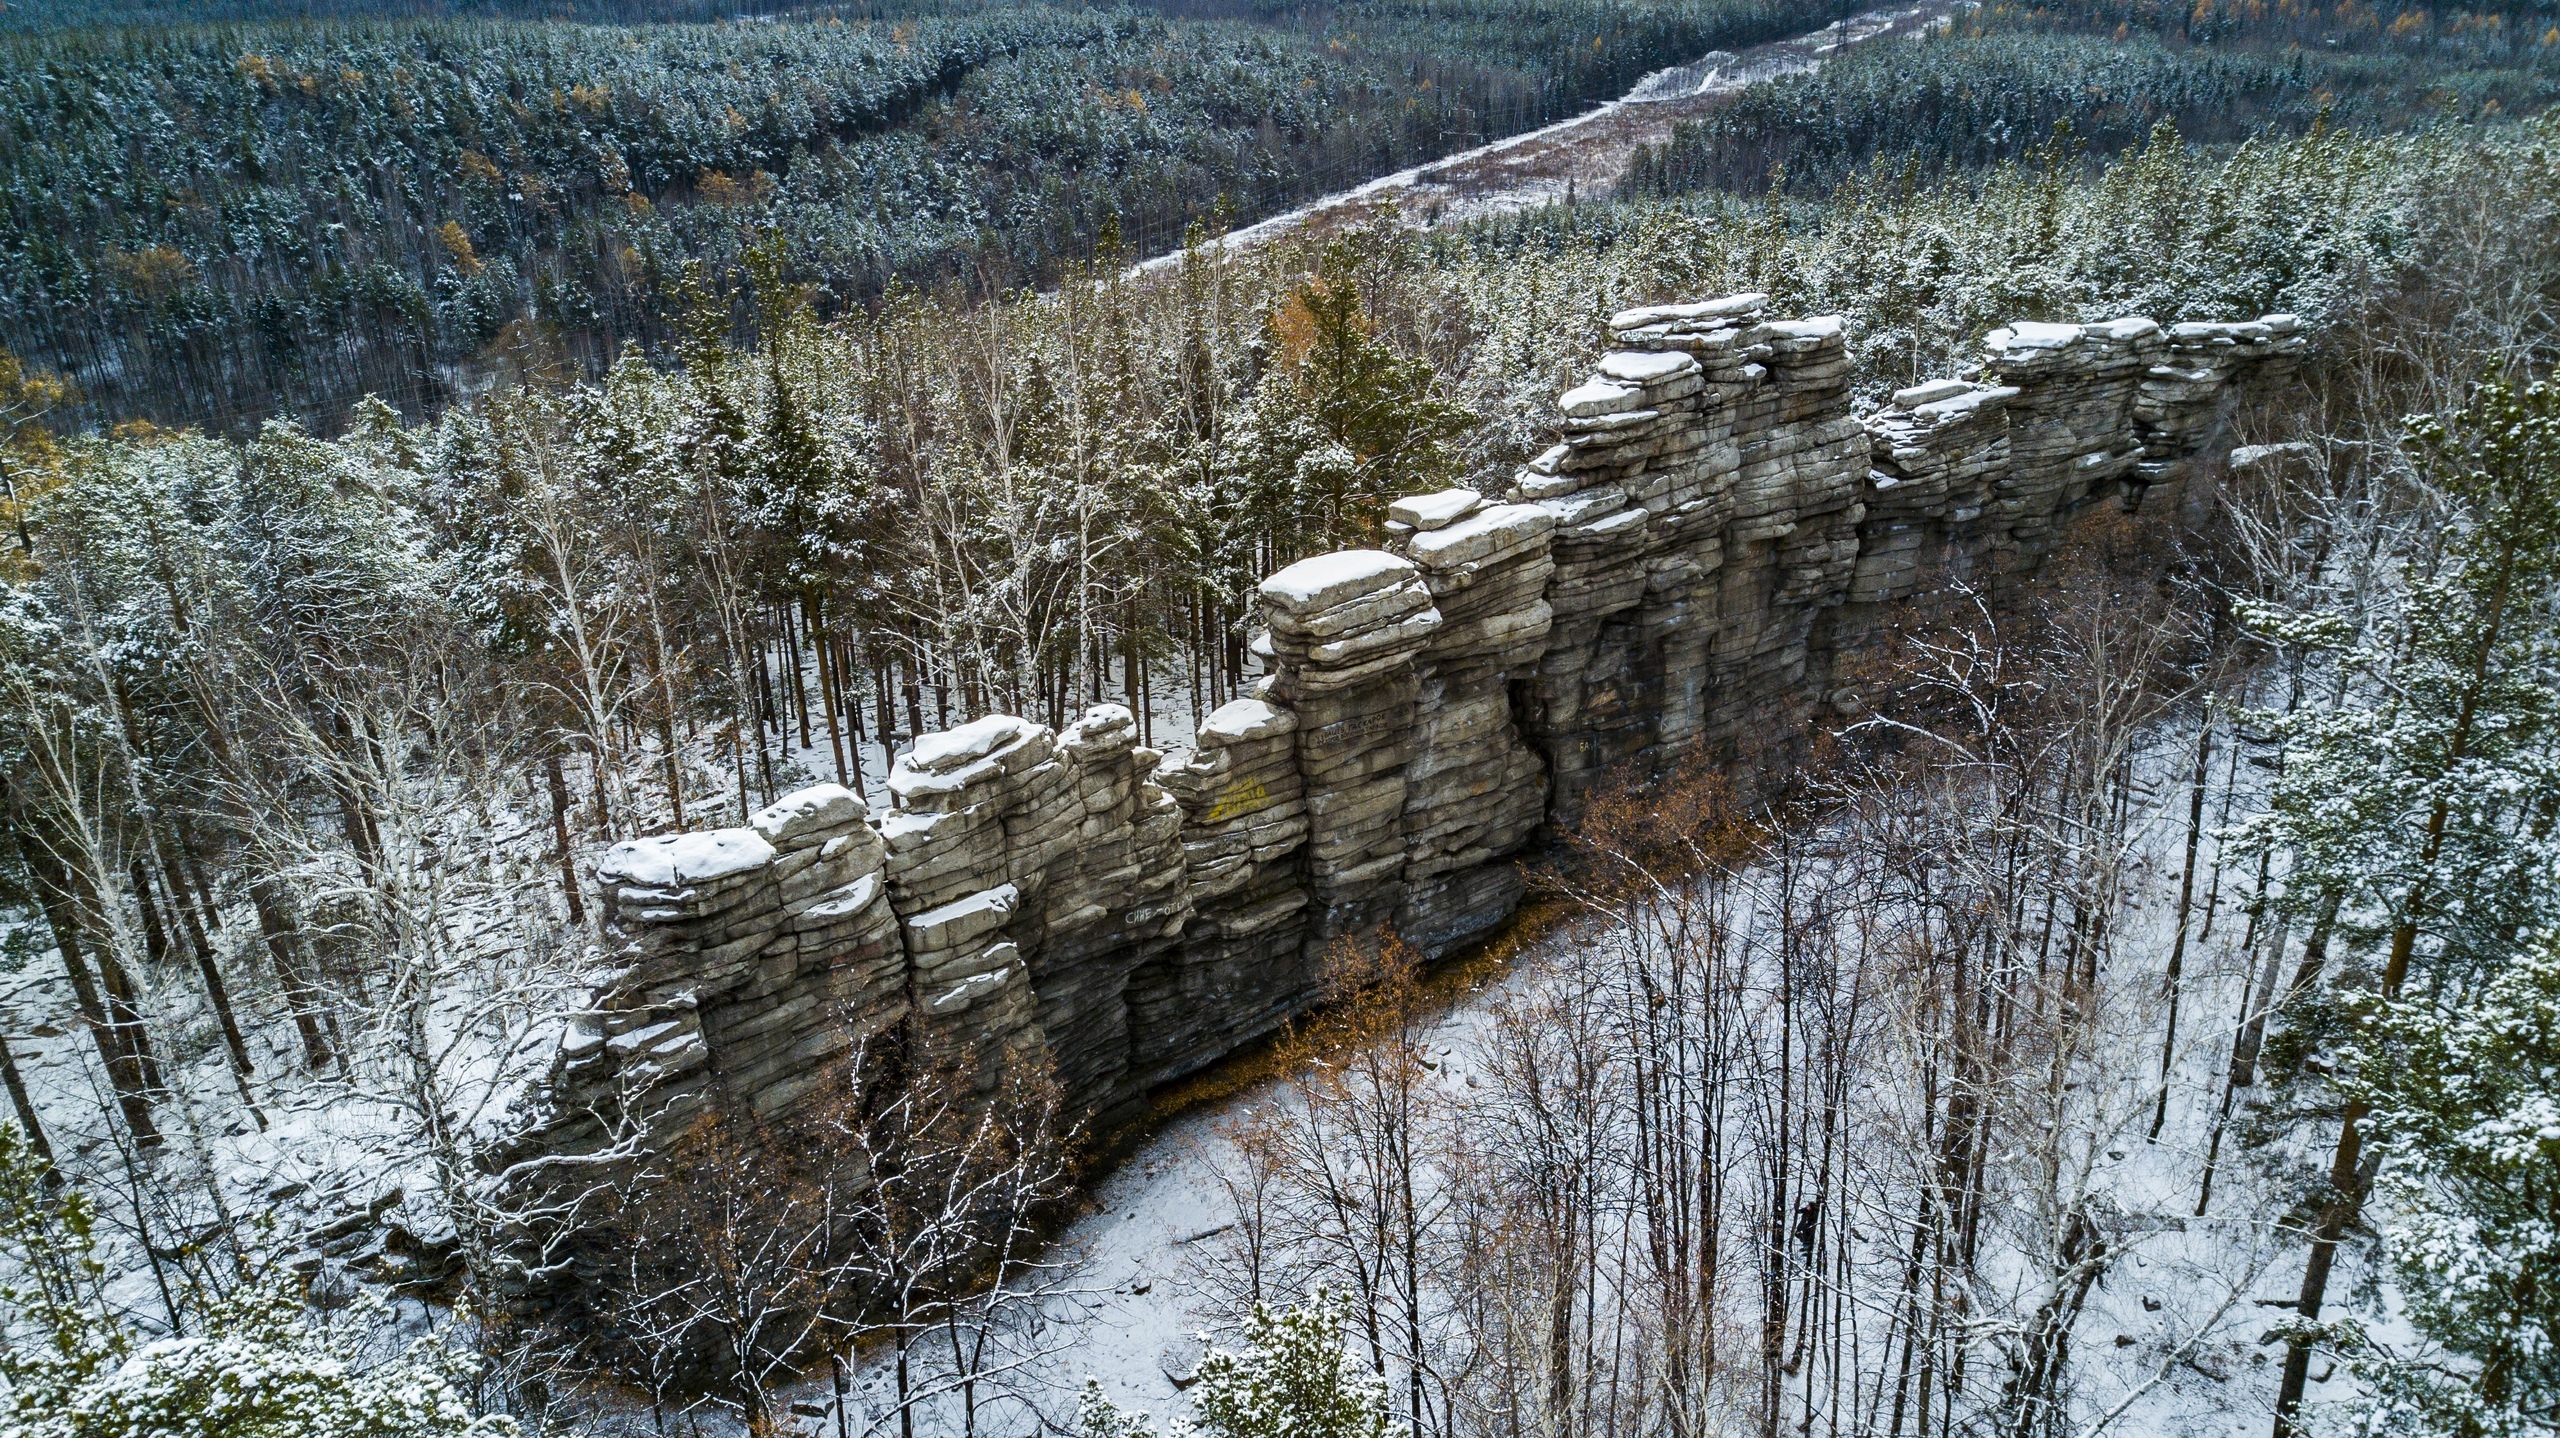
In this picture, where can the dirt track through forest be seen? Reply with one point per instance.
(1584, 155)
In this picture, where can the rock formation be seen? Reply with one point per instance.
(1673, 577)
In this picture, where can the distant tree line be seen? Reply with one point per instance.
(215, 224)
(2002, 82)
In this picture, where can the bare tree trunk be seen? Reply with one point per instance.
(2186, 897)
(561, 850)
(124, 1070)
(155, 939)
(26, 1109)
(210, 910)
(285, 949)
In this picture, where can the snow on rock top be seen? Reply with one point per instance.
(671, 861)
(1598, 397)
(1432, 511)
(2032, 335)
(1820, 327)
(1245, 719)
(1704, 310)
(2132, 327)
(1955, 407)
(1646, 366)
(1100, 722)
(1481, 537)
(803, 811)
(905, 829)
(1930, 393)
(1329, 579)
(955, 748)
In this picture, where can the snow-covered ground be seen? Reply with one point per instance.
(2170, 1343)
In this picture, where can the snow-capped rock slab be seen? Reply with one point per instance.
(1427, 512)
(2132, 327)
(967, 992)
(1488, 534)
(967, 744)
(2032, 335)
(672, 861)
(1957, 406)
(1101, 724)
(1807, 331)
(1336, 578)
(1930, 393)
(806, 811)
(1245, 720)
(961, 920)
(1646, 366)
(845, 902)
(1599, 397)
(1729, 307)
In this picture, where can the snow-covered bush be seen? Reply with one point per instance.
(1292, 1377)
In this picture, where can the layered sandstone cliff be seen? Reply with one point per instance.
(1673, 577)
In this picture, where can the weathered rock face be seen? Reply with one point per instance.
(749, 962)
(1673, 577)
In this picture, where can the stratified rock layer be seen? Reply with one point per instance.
(1674, 577)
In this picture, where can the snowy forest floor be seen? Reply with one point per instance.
(2172, 1341)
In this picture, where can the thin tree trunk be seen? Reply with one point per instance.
(26, 1109)
(285, 950)
(824, 644)
(2186, 897)
(561, 850)
(215, 989)
(155, 939)
(124, 1073)
(211, 911)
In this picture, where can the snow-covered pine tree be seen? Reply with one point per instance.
(2465, 1104)
(1293, 1377)
(2424, 804)
(254, 1362)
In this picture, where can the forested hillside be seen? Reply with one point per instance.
(215, 224)
(36, 15)
(2001, 81)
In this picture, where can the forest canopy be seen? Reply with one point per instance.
(212, 224)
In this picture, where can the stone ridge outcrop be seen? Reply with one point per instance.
(1674, 576)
